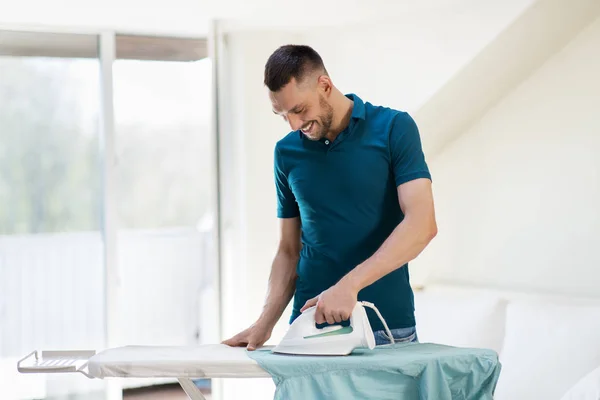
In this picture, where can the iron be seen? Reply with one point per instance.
(305, 338)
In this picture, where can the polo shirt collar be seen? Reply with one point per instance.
(358, 109)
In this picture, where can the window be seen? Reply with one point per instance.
(54, 191)
(51, 247)
(164, 188)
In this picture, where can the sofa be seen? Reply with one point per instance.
(548, 345)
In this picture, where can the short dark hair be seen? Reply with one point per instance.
(291, 61)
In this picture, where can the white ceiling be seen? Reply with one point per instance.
(191, 17)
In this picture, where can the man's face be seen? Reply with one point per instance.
(304, 107)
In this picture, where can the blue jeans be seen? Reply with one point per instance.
(401, 335)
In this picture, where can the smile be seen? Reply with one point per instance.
(308, 128)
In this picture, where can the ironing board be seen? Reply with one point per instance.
(182, 362)
(426, 367)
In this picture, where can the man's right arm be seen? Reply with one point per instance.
(281, 286)
(282, 280)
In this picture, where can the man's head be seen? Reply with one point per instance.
(300, 89)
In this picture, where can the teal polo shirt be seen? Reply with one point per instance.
(345, 193)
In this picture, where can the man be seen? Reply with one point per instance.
(354, 200)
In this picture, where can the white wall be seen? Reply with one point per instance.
(401, 61)
(517, 196)
(175, 17)
(191, 17)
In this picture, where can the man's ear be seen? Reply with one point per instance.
(325, 85)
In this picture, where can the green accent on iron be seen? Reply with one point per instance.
(342, 331)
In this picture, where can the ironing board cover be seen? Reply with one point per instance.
(210, 361)
(422, 371)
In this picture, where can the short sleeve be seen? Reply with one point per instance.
(287, 207)
(407, 158)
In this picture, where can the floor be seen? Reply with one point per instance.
(163, 392)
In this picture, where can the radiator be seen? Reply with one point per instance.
(52, 290)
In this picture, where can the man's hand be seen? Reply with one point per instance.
(253, 337)
(335, 304)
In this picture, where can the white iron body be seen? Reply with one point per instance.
(304, 338)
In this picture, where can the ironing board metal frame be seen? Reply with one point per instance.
(190, 388)
(72, 361)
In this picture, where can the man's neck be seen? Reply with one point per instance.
(342, 112)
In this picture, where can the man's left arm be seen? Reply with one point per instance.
(413, 182)
(407, 240)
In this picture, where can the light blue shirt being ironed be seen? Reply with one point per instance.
(423, 371)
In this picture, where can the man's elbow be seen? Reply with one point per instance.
(425, 229)
(433, 229)
(430, 229)
(290, 251)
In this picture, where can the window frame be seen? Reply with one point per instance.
(110, 45)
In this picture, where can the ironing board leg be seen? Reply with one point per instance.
(191, 389)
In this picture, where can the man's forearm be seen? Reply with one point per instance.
(281, 286)
(404, 244)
